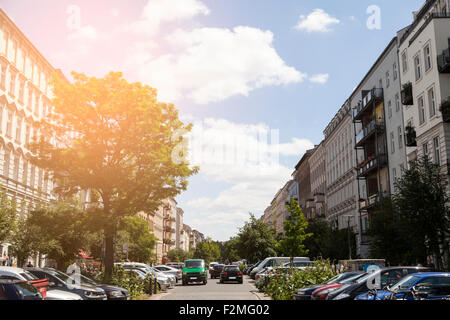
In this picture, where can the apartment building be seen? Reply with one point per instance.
(318, 181)
(379, 136)
(341, 184)
(278, 211)
(185, 238)
(25, 96)
(302, 175)
(424, 53)
(179, 228)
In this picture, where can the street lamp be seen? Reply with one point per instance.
(348, 235)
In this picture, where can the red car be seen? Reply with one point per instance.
(322, 292)
(12, 273)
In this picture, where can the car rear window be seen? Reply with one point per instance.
(28, 276)
(231, 268)
(26, 289)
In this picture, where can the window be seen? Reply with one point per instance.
(7, 159)
(417, 67)
(404, 62)
(425, 149)
(388, 80)
(437, 153)
(397, 102)
(390, 109)
(380, 83)
(427, 57)
(3, 76)
(12, 84)
(9, 124)
(30, 98)
(394, 174)
(21, 90)
(36, 105)
(392, 143)
(16, 167)
(18, 129)
(395, 74)
(400, 137)
(421, 110)
(27, 134)
(25, 171)
(431, 102)
(32, 175)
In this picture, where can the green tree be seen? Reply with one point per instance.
(178, 255)
(230, 250)
(256, 240)
(207, 250)
(134, 232)
(421, 201)
(8, 215)
(294, 233)
(114, 138)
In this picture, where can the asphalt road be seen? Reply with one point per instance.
(213, 290)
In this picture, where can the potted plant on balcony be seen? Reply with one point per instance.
(410, 136)
(407, 97)
(445, 110)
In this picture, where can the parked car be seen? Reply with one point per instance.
(274, 262)
(301, 265)
(388, 276)
(170, 271)
(250, 268)
(427, 285)
(18, 290)
(177, 265)
(112, 292)
(164, 281)
(231, 273)
(194, 271)
(305, 293)
(211, 265)
(61, 281)
(12, 273)
(216, 270)
(322, 292)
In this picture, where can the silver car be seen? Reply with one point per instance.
(170, 271)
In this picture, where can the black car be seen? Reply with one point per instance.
(231, 273)
(112, 292)
(250, 268)
(18, 290)
(216, 270)
(387, 277)
(61, 281)
(305, 293)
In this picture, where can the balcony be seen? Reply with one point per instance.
(371, 164)
(371, 201)
(169, 229)
(369, 98)
(169, 242)
(445, 110)
(310, 204)
(410, 136)
(373, 127)
(407, 94)
(319, 198)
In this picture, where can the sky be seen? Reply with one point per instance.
(259, 79)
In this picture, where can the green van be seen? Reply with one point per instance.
(194, 270)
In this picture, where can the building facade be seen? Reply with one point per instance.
(318, 181)
(302, 175)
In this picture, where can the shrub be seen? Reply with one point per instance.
(282, 283)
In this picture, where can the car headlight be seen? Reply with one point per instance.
(300, 293)
(341, 296)
(90, 294)
(115, 293)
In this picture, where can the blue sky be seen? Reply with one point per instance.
(248, 53)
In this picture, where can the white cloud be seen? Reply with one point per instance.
(157, 12)
(212, 64)
(316, 21)
(320, 78)
(231, 154)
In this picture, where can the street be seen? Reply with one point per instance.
(213, 290)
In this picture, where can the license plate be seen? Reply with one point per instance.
(194, 278)
(232, 278)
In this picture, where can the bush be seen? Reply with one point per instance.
(242, 267)
(282, 283)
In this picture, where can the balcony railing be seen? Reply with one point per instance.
(169, 242)
(372, 200)
(444, 61)
(410, 137)
(370, 129)
(319, 198)
(370, 96)
(370, 164)
(310, 203)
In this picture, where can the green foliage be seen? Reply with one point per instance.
(128, 280)
(255, 241)
(229, 251)
(282, 283)
(25, 239)
(8, 214)
(294, 233)
(328, 241)
(122, 149)
(134, 232)
(207, 250)
(179, 255)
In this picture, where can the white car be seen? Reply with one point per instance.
(62, 295)
(170, 271)
(12, 273)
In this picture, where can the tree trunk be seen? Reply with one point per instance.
(109, 238)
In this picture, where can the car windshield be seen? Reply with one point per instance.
(87, 280)
(367, 276)
(60, 275)
(27, 289)
(231, 268)
(194, 264)
(406, 282)
(28, 276)
(352, 279)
